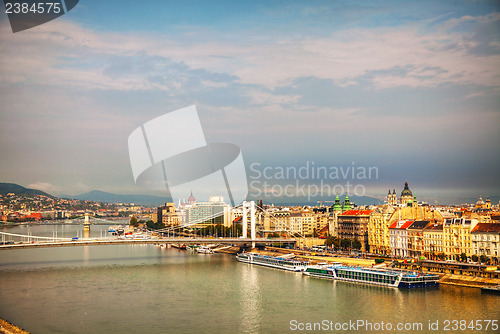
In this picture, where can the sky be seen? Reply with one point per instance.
(408, 88)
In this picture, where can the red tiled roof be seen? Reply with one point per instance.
(487, 227)
(403, 227)
(356, 212)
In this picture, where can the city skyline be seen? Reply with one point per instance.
(411, 89)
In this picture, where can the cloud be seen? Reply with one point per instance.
(68, 54)
(45, 186)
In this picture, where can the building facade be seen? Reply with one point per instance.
(457, 237)
(433, 241)
(353, 224)
(416, 238)
(378, 230)
(486, 240)
(398, 238)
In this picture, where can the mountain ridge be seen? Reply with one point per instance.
(6, 188)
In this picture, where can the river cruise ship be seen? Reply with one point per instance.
(285, 262)
(384, 277)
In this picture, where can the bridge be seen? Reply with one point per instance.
(67, 242)
(150, 237)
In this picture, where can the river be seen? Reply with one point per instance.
(150, 289)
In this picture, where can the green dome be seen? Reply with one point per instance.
(337, 206)
(347, 204)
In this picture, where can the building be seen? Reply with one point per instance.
(336, 209)
(392, 199)
(378, 229)
(417, 212)
(486, 240)
(170, 216)
(295, 222)
(277, 221)
(398, 238)
(457, 237)
(215, 211)
(416, 238)
(308, 223)
(406, 195)
(433, 241)
(353, 224)
(322, 222)
(191, 200)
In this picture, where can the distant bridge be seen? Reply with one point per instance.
(32, 241)
(68, 242)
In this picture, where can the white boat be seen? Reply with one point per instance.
(284, 262)
(384, 277)
(204, 250)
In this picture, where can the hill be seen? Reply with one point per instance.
(6, 188)
(101, 196)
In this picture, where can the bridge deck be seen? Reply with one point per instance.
(158, 241)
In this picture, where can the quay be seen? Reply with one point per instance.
(8, 328)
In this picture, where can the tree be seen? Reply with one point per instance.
(315, 233)
(474, 258)
(463, 257)
(329, 240)
(345, 243)
(356, 244)
(133, 221)
(484, 259)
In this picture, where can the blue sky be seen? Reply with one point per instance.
(409, 87)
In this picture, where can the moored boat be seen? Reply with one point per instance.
(284, 262)
(383, 277)
(491, 289)
(204, 250)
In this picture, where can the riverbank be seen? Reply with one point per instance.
(8, 328)
(468, 281)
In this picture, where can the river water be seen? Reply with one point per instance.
(149, 289)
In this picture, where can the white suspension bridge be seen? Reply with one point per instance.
(15, 240)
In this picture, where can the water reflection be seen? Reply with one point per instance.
(250, 300)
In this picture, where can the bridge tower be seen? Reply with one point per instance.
(249, 206)
(86, 226)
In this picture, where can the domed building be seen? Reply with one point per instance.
(480, 203)
(191, 199)
(337, 206)
(488, 203)
(392, 199)
(406, 195)
(347, 204)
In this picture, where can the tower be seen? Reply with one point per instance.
(392, 197)
(86, 226)
(347, 204)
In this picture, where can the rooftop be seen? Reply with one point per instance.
(487, 227)
(357, 213)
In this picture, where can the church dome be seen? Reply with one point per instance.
(406, 191)
(191, 199)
